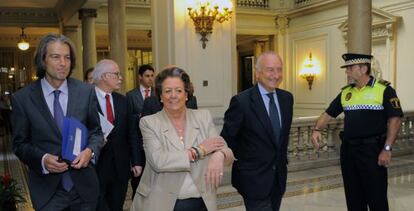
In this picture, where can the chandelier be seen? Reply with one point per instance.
(205, 12)
(23, 44)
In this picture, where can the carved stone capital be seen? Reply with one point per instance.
(282, 23)
(87, 13)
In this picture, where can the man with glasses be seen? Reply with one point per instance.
(113, 166)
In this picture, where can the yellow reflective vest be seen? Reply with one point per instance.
(366, 98)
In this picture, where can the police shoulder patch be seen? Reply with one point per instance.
(395, 102)
(384, 82)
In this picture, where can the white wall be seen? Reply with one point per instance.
(320, 33)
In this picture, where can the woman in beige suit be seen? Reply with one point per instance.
(185, 155)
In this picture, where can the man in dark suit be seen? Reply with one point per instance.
(135, 101)
(38, 113)
(256, 127)
(114, 162)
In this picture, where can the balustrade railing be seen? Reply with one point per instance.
(253, 3)
(301, 151)
(139, 2)
(299, 3)
(302, 155)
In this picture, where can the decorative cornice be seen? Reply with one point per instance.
(382, 28)
(28, 16)
(87, 13)
(12, 40)
(135, 3)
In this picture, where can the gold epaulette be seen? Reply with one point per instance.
(347, 86)
(384, 82)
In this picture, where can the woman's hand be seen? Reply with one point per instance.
(212, 144)
(214, 173)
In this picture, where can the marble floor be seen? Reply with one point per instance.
(400, 196)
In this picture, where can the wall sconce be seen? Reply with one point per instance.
(23, 44)
(205, 12)
(309, 71)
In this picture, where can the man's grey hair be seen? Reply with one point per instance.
(258, 65)
(101, 68)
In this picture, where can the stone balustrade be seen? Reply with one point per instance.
(253, 3)
(303, 155)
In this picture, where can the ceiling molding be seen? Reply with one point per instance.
(28, 17)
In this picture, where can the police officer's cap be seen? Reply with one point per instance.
(354, 58)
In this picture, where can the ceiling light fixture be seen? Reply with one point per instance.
(23, 44)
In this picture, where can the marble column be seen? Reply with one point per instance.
(212, 70)
(118, 40)
(74, 34)
(359, 26)
(87, 16)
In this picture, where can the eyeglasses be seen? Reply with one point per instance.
(118, 74)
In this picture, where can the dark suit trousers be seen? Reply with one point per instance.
(365, 182)
(112, 189)
(272, 203)
(68, 201)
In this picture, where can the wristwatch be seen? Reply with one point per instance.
(387, 148)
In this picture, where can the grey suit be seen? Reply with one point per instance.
(36, 133)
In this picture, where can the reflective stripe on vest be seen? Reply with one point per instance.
(367, 98)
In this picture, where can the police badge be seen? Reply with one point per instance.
(348, 96)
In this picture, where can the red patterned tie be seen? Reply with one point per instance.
(109, 113)
(147, 93)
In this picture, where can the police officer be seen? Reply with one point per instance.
(372, 121)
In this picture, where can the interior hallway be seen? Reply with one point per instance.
(314, 189)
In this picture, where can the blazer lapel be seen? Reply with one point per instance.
(40, 103)
(140, 98)
(283, 111)
(192, 130)
(73, 93)
(169, 132)
(117, 114)
(259, 108)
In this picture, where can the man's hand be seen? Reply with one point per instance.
(316, 138)
(384, 158)
(53, 165)
(136, 170)
(82, 160)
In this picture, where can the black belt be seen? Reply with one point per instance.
(380, 139)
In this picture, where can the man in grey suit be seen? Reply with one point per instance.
(135, 102)
(38, 113)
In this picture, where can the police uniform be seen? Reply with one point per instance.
(367, 111)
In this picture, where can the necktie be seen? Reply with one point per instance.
(67, 182)
(147, 93)
(109, 113)
(274, 116)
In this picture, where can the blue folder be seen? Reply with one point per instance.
(74, 138)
